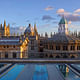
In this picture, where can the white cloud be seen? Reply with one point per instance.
(60, 11)
(49, 8)
(69, 16)
(77, 11)
(18, 29)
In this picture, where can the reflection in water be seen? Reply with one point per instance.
(68, 74)
(1, 65)
(40, 73)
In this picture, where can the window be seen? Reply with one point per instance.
(72, 48)
(65, 48)
(32, 42)
(32, 47)
(78, 47)
(41, 43)
(14, 55)
(57, 47)
(51, 47)
(6, 55)
(4, 47)
(13, 46)
(0, 55)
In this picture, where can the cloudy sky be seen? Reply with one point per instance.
(45, 13)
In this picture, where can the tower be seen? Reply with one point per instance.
(63, 26)
(4, 28)
(35, 30)
(7, 31)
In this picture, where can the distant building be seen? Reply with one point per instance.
(32, 45)
(4, 30)
(60, 45)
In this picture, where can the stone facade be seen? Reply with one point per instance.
(31, 45)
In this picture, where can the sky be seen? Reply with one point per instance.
(45, 13)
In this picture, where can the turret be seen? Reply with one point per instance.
(4, 28)
(1, 26)
(63, 26)
(8, 31)
(35, 30)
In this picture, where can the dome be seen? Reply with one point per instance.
(29, 29)
(63, 21)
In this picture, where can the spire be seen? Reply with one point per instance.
(17, 34)
(4, 23)
(1, 25)
(35, 29)
(29, 25)
(4, 28)
(14, 34)
(8, 31)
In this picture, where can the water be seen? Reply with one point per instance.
(40, 72)
(13, 73)
(69, 75)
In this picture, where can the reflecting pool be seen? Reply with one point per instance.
(39, 72)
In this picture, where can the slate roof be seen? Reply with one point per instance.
(61, 38)
(10, 40)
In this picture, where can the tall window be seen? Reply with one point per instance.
(65, 48)
(51, 47)
(0, 55)
(6, 55)
(14, 55)
(32, 47)
(32, 41)
(78, 47)
(57, 47)
(72, 48)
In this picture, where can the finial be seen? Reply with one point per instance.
(29, 24)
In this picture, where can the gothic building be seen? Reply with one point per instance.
(4, 30)
(32, 45)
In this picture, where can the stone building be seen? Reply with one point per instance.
(32, 45)
(60, 45)
(4, 30)
(13, 47)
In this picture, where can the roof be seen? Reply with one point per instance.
(61, 38)
(63, 21)
(29, 29)
(10, 40)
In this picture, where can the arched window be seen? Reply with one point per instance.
(6, 55)
(14, 55)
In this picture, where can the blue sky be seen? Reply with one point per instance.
(45, 13)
